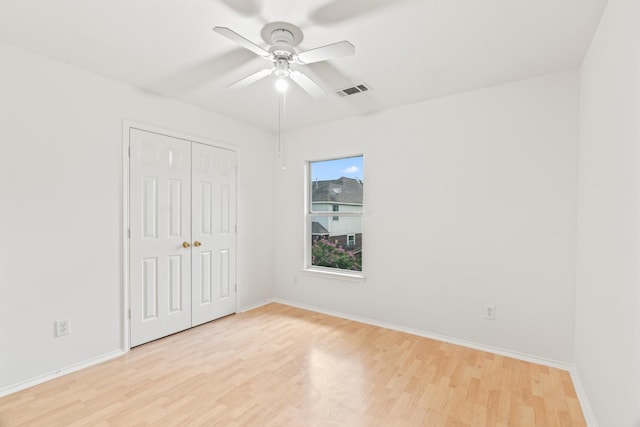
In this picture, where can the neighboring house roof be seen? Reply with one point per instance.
(341, 190)
(317, 228)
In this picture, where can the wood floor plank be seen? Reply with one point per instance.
(283, 366)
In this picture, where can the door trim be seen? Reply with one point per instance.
(127, 125)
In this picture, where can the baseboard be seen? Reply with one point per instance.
(254, 306)
(469, 344)
(60, 372)
(587, 409)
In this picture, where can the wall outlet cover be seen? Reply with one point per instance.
(62, 328)
(490, 312)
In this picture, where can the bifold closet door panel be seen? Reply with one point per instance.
(214, 178)
(160, 227)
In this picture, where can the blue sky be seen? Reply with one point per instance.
(333, 169)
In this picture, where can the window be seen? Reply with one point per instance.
(334, 215)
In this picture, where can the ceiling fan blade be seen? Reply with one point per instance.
(237, 38)
(251, 79)
(334, 50)
(307, 84)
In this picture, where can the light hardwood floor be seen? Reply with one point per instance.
(282, 366)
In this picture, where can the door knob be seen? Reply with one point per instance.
(185, 245)
(197, 244)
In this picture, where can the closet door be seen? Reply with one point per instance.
(214, 233)
(160, 227)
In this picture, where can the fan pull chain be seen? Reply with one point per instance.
(282, 101)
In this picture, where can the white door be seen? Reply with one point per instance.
(183, 234)
(160, 222)
(214, 233)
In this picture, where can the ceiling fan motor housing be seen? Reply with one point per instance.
(282, 41)
(281, 36)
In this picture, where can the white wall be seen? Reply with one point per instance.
(469, 200)
(607, 351)
(61, 208)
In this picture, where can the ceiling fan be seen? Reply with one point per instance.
(283, 38)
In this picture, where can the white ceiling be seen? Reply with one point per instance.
(406, 50)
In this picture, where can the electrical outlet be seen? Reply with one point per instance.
(62, 328)
(490, 312)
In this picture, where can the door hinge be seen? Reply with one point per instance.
(129, 151)
(129, 233)
(236, 287)
(129, 313)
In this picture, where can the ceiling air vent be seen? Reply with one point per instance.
(352, 90)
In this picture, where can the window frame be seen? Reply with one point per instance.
(309, 214)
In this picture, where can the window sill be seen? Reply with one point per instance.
(338, 275)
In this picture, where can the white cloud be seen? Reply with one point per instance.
(351, 169)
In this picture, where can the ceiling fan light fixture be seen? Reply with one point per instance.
(282, 68)
(282, 84)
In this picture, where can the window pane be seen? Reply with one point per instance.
(336, 185)
(336, 244)
(336, 206)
